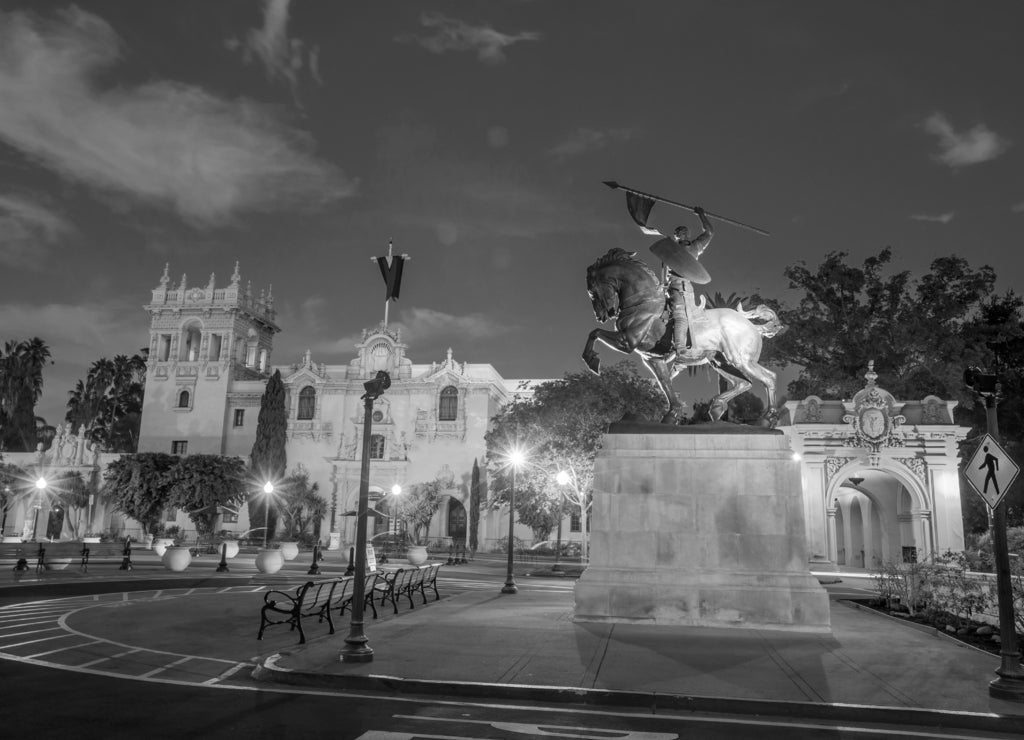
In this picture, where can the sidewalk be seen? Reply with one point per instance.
(526, 647)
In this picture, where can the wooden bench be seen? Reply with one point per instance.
(311, 599)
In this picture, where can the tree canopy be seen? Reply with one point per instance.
(21, 385)
(559, 430)
(416, 506)
(268, 459)
(301, 504)
(921, 333)
(199, 483)
(108, 403)
(137, 485)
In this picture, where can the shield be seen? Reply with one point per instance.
(684, 264)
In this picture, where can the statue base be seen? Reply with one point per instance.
(699, 529)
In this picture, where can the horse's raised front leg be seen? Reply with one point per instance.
(617, 340)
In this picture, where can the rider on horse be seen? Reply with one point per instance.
(680, 290)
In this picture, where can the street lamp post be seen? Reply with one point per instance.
(357, 648)
(1010, 682)
(40, 488)
(515, 459)
(268, 491)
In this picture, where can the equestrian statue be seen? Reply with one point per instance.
(658, 317)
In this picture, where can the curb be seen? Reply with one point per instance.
(269, 671)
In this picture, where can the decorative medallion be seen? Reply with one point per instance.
(195, 295)
(874, 425)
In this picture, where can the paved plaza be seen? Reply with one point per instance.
(199, 627)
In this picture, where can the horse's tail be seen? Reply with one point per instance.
(765, 320)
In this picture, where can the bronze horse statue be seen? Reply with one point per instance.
(626, 289)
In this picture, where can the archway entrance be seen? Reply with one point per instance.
(456, 520)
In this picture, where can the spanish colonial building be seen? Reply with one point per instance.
(209, 362)
(880, 476)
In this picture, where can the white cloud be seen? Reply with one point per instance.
(162, 142)
(942, 218)
(425, 327)
(584, 140)
(281, 56)
(27, 229)
(451, 34)
(961, 149)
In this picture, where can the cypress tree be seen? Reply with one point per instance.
(268, 460)
(474, 506)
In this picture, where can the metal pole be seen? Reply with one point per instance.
(510, 578)
(357, 648)
(266, 518)
(615, 186)
(1010, 684)
(558, 541)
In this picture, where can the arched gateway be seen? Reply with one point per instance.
(880, 476)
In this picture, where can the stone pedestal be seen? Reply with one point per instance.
(698, 528)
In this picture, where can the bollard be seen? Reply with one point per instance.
(314, 569)
(126, 556)
(223, 567)
(450, 560)
(460, 560)
(351, 569)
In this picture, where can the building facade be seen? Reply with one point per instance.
(210, 359)
(880, 476)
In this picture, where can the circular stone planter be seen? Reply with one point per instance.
(161, 544)
(290, 550)
(177, 558)
(230, 548)
(416, 554)
(91, 540)
(269, 561)
(11, 540)
(57, 563)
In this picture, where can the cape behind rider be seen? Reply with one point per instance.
(680, 290)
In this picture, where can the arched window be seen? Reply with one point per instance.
(307, 402)
(449, 407)
(376, 446)
(191, 338)
(183, 398)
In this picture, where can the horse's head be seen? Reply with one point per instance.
(603, 292)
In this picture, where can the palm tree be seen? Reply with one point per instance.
(109, 402)
(21, 385)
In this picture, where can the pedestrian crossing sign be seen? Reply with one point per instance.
(991, 471)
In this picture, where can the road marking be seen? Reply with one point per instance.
(110, 657)
(29, 642)
(228, 673)
(69, 647)
(164, 668)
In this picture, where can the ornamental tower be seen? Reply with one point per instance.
(203, 341)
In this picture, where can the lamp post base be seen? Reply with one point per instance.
(509, 587)
(356, 650)
(1009, 686)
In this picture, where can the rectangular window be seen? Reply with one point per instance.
(239, 417)
(171, 515)
(574, 522)
(377, 447)
(179, 447)
(215, 344)
(228, 517)
(163, 352)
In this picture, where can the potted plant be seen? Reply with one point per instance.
(176, 558)
(269, 560)
(301, 504)
(160, 544)
(416, 508)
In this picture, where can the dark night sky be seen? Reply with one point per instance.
(297, 138)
